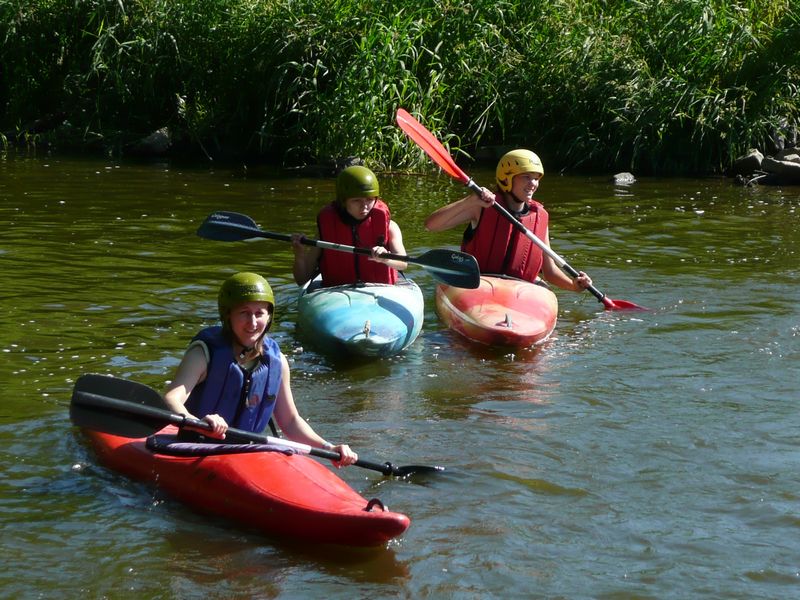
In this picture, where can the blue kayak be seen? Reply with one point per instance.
(368, 319)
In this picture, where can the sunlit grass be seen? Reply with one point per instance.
(651, 86)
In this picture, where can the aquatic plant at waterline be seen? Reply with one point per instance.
(647, 86)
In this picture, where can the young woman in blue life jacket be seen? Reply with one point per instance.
(235, 375)
(498, 246)
(358, 217)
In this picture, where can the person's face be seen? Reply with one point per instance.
(524, 186)
(249, 320)
(359, 208)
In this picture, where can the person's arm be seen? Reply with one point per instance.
(306, 260)
(553, 274)
(190, 372)
(466, 210)
(394, 245)
(296, 428)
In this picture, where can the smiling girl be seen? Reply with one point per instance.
(235, 375)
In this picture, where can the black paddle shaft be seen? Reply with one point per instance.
(449, 266)
(136, 413)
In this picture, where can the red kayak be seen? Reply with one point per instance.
(501, 312)
(288, 495)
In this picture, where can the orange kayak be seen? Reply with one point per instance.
(501, 312)
(287, 495)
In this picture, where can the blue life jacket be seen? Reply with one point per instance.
(245, 400)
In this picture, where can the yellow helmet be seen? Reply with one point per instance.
(514, 163)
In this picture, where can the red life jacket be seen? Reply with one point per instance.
(339, 227)
(500, 248)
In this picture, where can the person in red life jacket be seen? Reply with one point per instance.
(235, 375)
(490, 237)
(358, 217)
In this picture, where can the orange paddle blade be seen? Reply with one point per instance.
(432, 147)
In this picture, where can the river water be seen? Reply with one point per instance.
(635, 455)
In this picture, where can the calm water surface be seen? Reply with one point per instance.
(635, 455)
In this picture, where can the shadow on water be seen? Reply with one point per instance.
(240, 556)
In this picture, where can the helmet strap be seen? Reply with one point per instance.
(508, 198)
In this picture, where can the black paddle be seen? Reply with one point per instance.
(451, 267)
(437, 152)
(134, 410)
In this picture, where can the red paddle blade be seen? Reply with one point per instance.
(432, 147)
(621, 305)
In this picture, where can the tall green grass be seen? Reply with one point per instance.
(660, 86)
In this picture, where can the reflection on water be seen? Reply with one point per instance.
(634, 454)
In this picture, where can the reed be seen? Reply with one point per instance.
(652, 86)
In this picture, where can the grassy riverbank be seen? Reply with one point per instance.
(652, 86)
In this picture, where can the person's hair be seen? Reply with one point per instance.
(227, 331)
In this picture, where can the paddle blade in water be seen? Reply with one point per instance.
(407, 470)
(621, 305)
(437, 152)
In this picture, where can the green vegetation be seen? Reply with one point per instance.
(663, 86)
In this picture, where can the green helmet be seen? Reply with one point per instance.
(516, 162)
(243, 287)
(356, 182)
